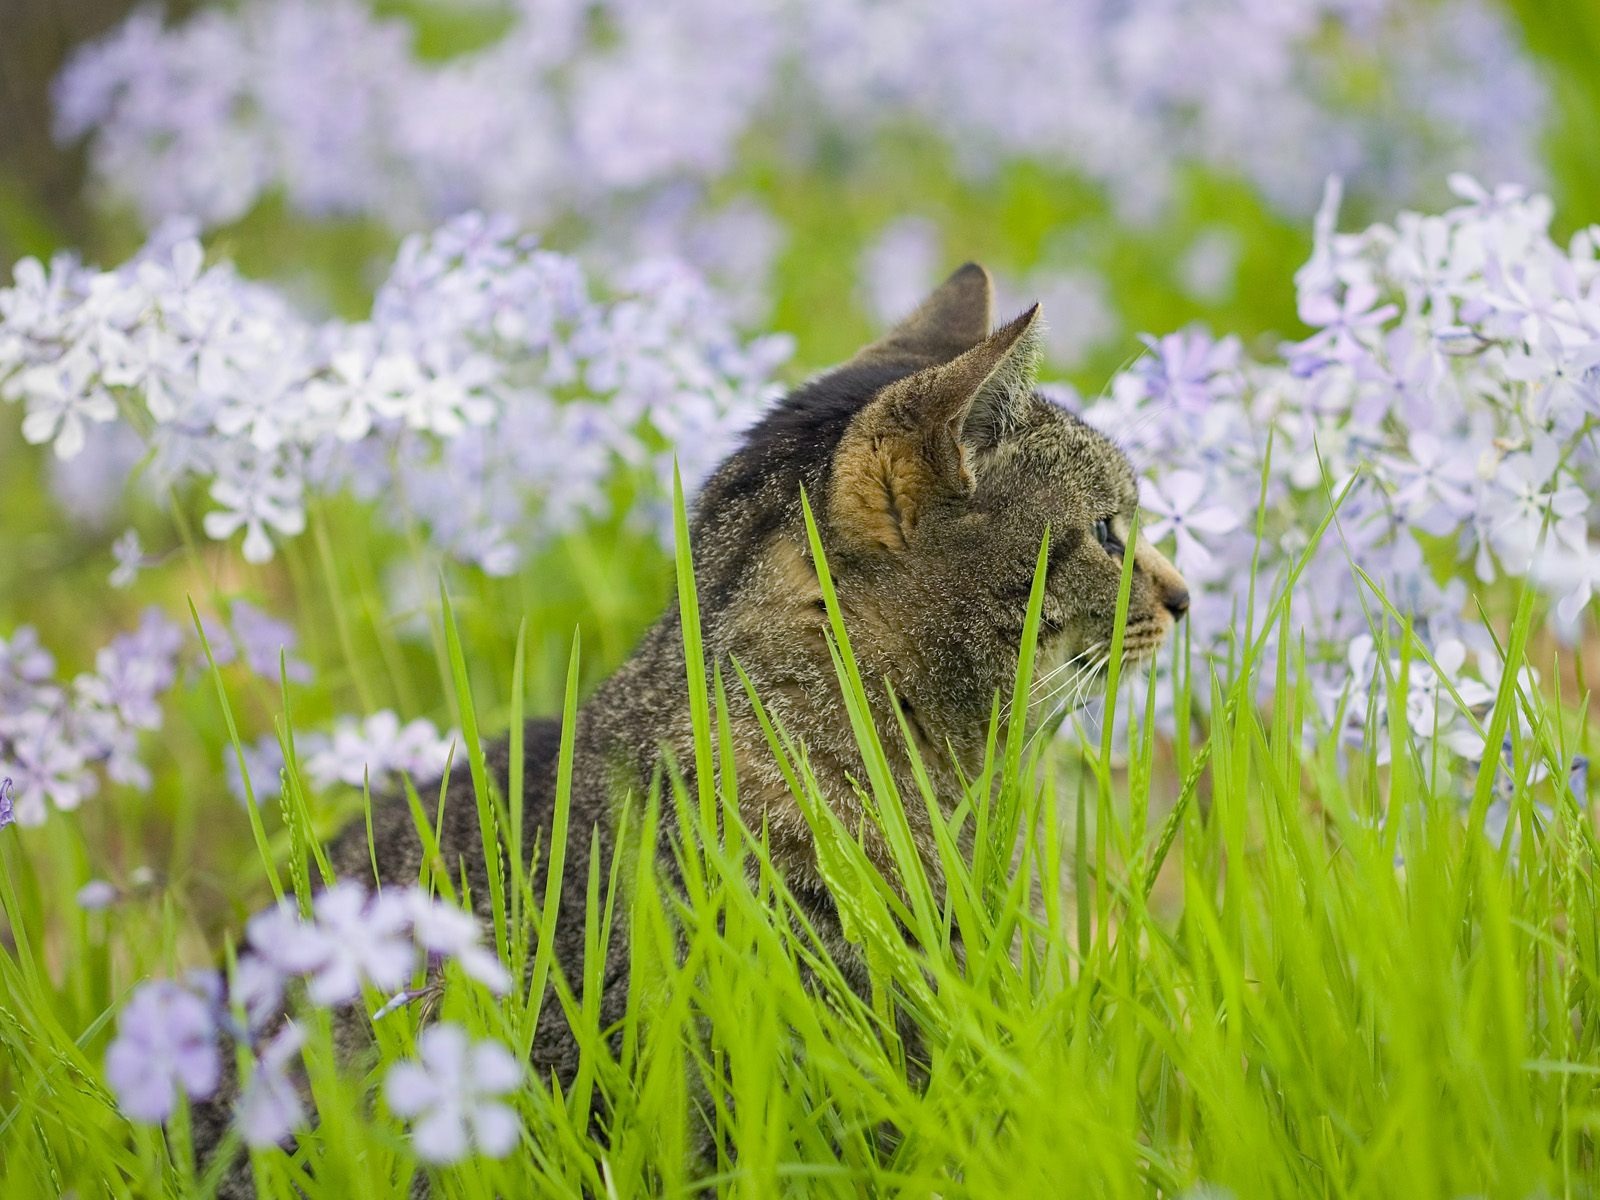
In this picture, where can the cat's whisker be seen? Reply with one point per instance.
(1034, 699)
(1060, 667)
(1051, 674)
(1050, 724)
(1081, 693)
(1081, 675)
(1075, 689)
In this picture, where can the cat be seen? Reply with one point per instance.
(933, 468)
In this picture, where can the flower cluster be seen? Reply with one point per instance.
(170, 1034)
(490, 398)
(453, 1091)
(58, 738)
(354, 940)
(1450, 390)
(331, 104)
(373, 750)
(590, 108)
(1249, 88)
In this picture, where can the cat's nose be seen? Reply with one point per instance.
(1176, 600)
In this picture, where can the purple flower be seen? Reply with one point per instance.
(23, 660)
(379, 746)
(261, 638)
(1343, 323)
(257, 986)
(8, 814)
(166, 1042)
(1176, 501)
(289, 943)
(97, 894)
(352, 940)
(445, 931)
(54, 742)
(134, 671)
(1435, 481)
(46, 766)
(264, 762)
(452, 1094)
(130, 559)
(1189, 370)
(269, 1109)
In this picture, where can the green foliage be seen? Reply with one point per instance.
(1332, 985)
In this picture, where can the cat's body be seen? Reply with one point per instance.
(933, 469)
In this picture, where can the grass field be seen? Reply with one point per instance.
(1308, 976)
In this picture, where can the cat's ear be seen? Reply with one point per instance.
(910, 445)
(954, 318)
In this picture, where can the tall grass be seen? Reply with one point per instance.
(1252, 960)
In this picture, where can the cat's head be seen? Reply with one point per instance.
(934, 469)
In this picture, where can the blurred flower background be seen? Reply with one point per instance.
(496, 263)
(306, 301)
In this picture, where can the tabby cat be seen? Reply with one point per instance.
(933, 468)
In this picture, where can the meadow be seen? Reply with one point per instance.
(351, 408)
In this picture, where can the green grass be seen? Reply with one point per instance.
(1310, 977)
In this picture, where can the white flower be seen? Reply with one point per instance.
(452, 1094)
(159, 363)
(442, 929)
(1176, 500)
(352, 941)
(361, 389)
(255, 500)
(130, 559)
(61, 397)
(269, 1109)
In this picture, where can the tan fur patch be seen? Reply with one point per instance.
(793, 573)
(1163, 575)
(878, 487)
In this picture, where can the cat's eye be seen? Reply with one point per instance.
(1107, 538)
